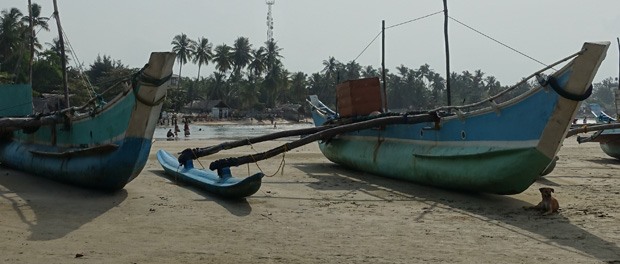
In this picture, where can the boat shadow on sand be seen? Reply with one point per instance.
(502, 211)
(237, 207)
(51, 210)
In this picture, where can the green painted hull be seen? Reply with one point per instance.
(612, 149)
(507, 171)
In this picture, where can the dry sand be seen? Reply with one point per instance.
(316, 212)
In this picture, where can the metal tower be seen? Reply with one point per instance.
(269, 20)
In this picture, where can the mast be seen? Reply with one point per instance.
(31, 26)
(383, 66)
(63, 57)
(445, 34)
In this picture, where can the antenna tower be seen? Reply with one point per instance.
(269, 19)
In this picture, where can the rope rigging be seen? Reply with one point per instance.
(457, 21)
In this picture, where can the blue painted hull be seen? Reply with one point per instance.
(501, 149)
(104, 149)
(228, 187)
(108, 172)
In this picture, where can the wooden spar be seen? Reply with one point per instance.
(385, 108)
(15, 123)
(63, 57)
(31, 28)
(586, 129)
(201, 152)
(445, 33)
(324, 135)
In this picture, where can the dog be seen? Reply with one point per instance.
(548, 204)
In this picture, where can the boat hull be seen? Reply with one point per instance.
(610, 142)
(500, 149)
(227, 187)
(104, 149)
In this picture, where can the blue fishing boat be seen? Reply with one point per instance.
(219, 182)
(101, 147)
(490, 147)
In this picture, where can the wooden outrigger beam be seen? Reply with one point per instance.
(324, 134)
(586, 128)
(201, 152)
(8, 124)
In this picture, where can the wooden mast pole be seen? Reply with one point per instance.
(31, 25)
(383, 66)
(63, 57)
(445, 33)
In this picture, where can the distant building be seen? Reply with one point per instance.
(216, 109)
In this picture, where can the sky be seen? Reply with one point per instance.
(311, 31)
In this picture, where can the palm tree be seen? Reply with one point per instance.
(37, 22)
(257, 66)
(222, 58)
(273, 55)
(331, 68)
(241, 54)
(202, 54)
(11, 33)
(183, 47)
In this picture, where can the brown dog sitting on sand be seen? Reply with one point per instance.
(548, 204)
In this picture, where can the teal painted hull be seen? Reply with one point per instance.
(104, 149)
(500, 172)
(502, 148)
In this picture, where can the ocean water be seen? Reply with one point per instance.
(203, 132)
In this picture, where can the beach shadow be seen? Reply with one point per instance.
(237, 207)
(50, 209)
(501, 211)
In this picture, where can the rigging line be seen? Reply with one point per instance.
(415, 19)
(78, 64)
(364, 50)
(487, 36)
(396, 25)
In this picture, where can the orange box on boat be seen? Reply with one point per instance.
(359, 97)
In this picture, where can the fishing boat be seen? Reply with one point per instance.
(606, 130)
(103, 148)
(498, 147)
(220, 183)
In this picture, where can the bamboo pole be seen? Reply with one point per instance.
(323, 135)
(445, 33)
(63, 57)
(201, 152)
(586, 129)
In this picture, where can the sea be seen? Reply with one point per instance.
(228, 131)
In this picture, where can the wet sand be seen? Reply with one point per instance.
(315, 212)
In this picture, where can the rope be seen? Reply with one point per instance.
(497, 41)
(280, 167)
(396, 25)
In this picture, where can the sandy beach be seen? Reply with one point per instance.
(315, 212)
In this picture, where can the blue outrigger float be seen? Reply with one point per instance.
(217, 182)
(497, 147)
(100, 147)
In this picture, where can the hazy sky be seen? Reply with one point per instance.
(311, 31)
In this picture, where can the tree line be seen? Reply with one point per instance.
(248, 78)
